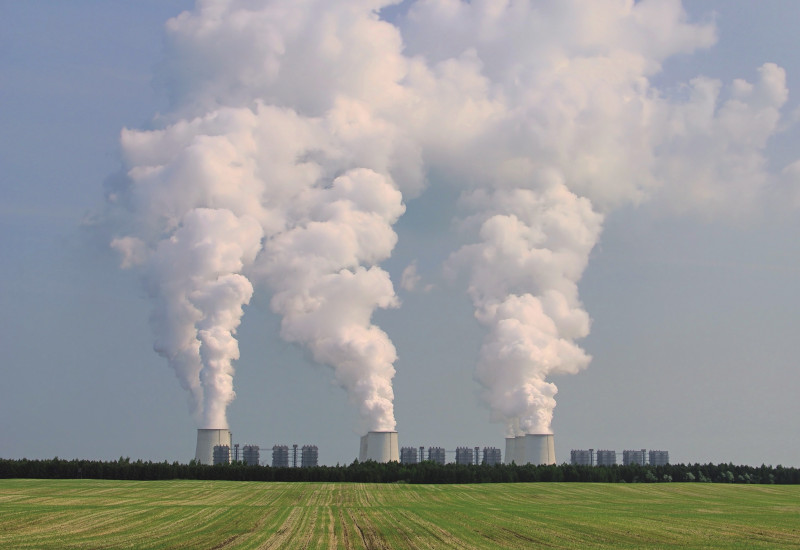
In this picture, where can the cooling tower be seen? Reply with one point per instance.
(206, 440)
(511, 450)
(380, 447)
(536, 449)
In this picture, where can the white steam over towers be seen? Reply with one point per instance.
(288, 155)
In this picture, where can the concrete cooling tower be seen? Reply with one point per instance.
(207, 439)
(531, 449)
(380, 447)
(511, 450)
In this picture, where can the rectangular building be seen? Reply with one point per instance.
(464, 456)
(634, 457)
(491, 456)
(309, 456)
(606, 458)
(659, 458)
(222, 454)
(280, 456)
(581, 457)
(408, 455)
(251, 455)
(436, 454)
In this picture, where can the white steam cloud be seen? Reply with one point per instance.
(297, 129)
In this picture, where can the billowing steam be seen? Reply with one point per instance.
(533, 249)
(326, 297)
(297, 129)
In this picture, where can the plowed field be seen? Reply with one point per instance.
(215, 514)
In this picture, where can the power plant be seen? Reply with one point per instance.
(214, 447)
(207, 439)
(380, 447)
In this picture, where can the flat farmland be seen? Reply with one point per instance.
(221, 514)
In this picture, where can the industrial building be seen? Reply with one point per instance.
(634, 457)
(280, 456)
(222, 454)
(492, 456)
(606, 458)
(251, 455)
(659, 458)
(408, 455)
(609, 458)
(464, 456)
(581, 457)
(436, 454)
(214, 447)
(309, 456)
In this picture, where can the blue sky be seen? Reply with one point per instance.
(693, 317)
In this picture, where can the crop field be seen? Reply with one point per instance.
(220, 514)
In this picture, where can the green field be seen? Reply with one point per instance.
(220, 514)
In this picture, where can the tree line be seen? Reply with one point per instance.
(393, 472)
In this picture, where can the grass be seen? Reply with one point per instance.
(218, 514)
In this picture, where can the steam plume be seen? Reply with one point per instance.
(545, 113)
(262, 172)
(297, 129)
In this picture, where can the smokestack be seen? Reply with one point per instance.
(536, 449)
(207, 439)
(380, 447)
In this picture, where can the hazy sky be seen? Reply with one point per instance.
(690, 287)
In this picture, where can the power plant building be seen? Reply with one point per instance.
(207, 439)
(309, 457)
(491, 456)
(280, 456)
(634, 457)
(222, 454)
(606, 458)
(251, 455)
(436, 454)
(659, 458)
(408, 455)
(464, 456)
(581, 457)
